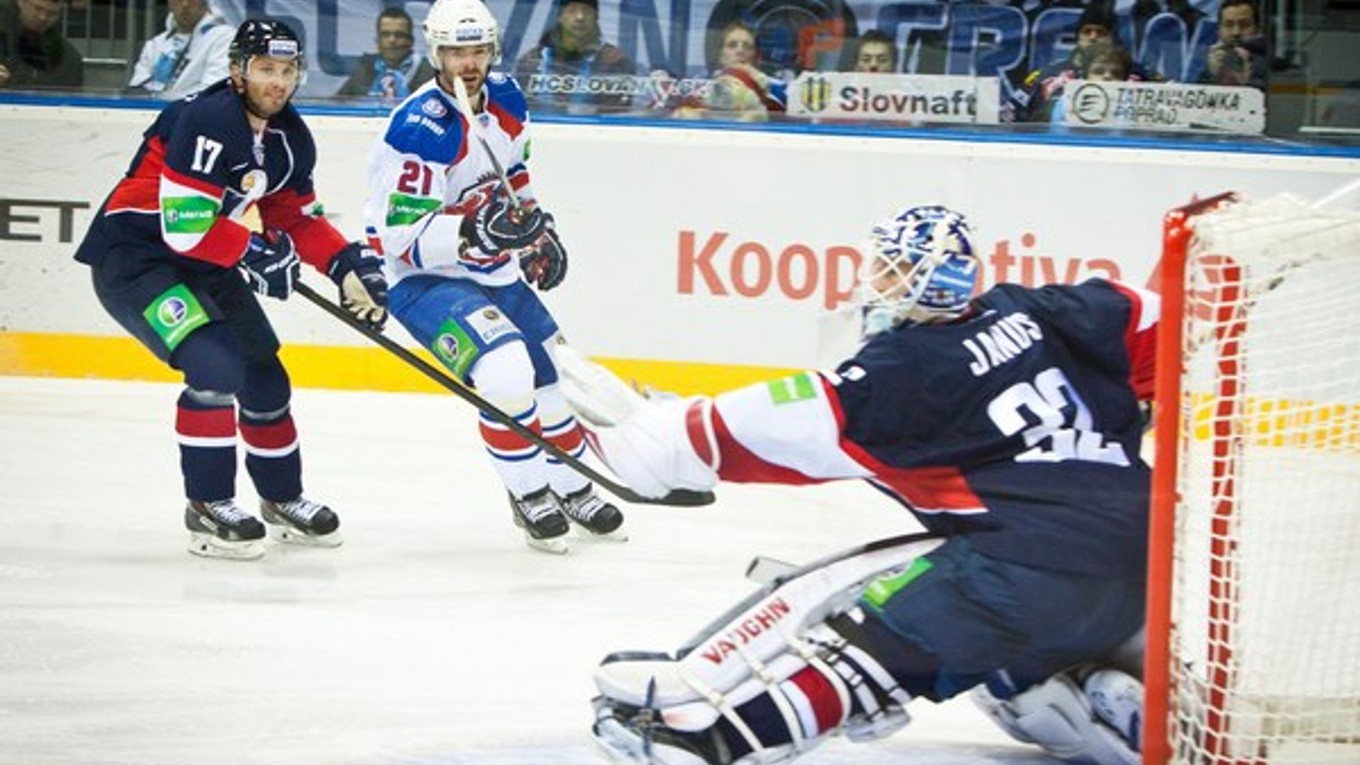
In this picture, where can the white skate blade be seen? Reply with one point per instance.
(617, 536)
(209, 546)
(553, 546)
(288, 535)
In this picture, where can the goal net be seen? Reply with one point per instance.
(1254, 582)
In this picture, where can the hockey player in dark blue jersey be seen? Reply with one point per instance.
(175, 263)
(1009, 424)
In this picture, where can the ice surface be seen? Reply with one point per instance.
(434, 636)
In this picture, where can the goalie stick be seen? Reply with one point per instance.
(832, 582)
(677, 498)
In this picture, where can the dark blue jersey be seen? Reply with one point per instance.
(1019, 425)
(198, 172)
(1021, 420)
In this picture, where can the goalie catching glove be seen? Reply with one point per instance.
(357, 271)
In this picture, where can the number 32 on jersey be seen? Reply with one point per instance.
(1065, 430)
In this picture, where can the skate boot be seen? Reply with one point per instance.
(302, 522)
(540, 515)
(220, 529)
(600, 518)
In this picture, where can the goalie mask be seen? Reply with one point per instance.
(921, 268)
(458, 24)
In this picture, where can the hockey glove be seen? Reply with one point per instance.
(357, 271)
(271, 264)
(544, 262)
(497, 226)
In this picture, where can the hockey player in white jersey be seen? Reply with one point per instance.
(461, 251)
(1008, 424)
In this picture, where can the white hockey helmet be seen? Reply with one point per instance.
(459, 23)
(920, 268)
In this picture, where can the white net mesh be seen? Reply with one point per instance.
(1265, 645)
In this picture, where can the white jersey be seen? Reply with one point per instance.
(172, 64)
(426, 173)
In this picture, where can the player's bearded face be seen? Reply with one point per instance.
(469, 64)
(267, 84)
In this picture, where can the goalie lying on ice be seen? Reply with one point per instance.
(1008, 423)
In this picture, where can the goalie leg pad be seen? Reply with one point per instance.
(1093, 723)
(653, 709)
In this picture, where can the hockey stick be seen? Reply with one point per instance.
(833, 582)
(678, 497)
(465, 106)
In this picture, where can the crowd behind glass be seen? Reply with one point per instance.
(761, 60)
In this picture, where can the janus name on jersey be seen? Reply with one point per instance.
(1005, 339)
(746, 631)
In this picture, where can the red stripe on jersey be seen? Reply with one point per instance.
(927, 489)
(223, 245)
(275, 435)
(940, 489)
(505, 119)
(822, 696)
(206, 188)
(1141, 345)
(741, 465)
(317, 241)
(698, 434)
(218, 422)
(141, 190)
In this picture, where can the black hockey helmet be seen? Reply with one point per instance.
(265, 37)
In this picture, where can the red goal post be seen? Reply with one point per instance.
(1253, 629)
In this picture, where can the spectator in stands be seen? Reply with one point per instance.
(1033, 100)
(1240, 56)
(739, 88)
(394, 71)
(1107, 61)
(572, 69)
(33, 53)
(874, 52)
(736, 46)
(188, 56)
(1103, 61)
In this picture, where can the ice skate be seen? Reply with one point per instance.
(540, 515)
(302, 522)
(598, 518)
(220, 529)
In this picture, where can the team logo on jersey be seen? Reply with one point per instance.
(447, 346)
(252, 179)
(454, 348)
(174, 314)
(434, 107)
(172, 311)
